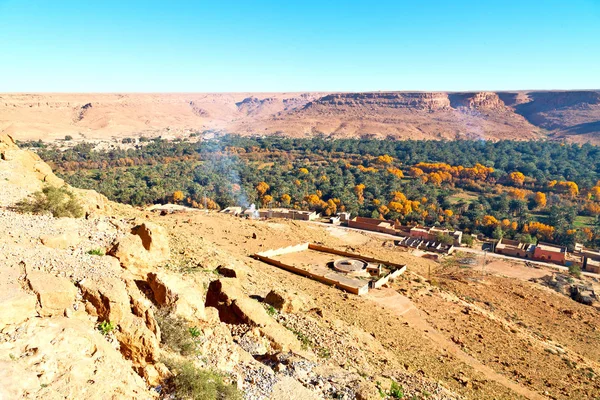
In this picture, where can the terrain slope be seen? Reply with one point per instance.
(521, 115)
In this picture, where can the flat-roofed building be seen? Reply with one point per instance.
(550, 252)
(373, 224)
(592, 266)
(514, 248)
(432, 234)
(289, 214)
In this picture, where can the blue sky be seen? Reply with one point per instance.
(225, 46)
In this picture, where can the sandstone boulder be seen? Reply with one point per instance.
(132, 255)
(55, 294)
(61, 242)
(138, 343)
(234, 306)
(155, 240)
(16, 305)
(184, 298)
(62, 358)
(287, 302)
(108, 297)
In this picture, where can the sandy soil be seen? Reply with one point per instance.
(496, 336)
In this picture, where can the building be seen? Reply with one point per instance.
(514, 248)
(550, 252)
(373, 224)
(235, 211)
(432, 234)
(288, 214)
(592, 266)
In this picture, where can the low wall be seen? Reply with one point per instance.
(284, 250)
(346, 254)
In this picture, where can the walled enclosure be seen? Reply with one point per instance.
(351, 285)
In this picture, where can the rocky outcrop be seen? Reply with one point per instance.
(477, 101)
(62, 241)
(55, 294)
(288, 302)
(146, 247)
(417, 101)
(64, 358)
(182, 297)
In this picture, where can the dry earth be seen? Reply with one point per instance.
(520, 115)
(443, 330)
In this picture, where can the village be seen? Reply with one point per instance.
(436, 242)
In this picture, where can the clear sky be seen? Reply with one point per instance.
(254, 45)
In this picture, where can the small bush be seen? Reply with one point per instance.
(60, 202)
(193, 383)
(271, 311)
(96, 252)
(575, 270)
(194, 332)
(467, 239)
(176, 334)
(106, 327)
(396, 391)
(68, 137)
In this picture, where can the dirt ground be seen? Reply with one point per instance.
(494, 336)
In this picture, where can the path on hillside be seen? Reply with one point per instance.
(405, 308)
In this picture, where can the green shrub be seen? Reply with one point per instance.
(194, 332)
(96, 252)
(467, 239)
(60, 202)
(575, 270)
(271, 311)
(68, 137)
(106, 327)
(192, 383)
(396, 391)
(176, 334)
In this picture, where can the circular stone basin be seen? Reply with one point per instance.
(349, 265)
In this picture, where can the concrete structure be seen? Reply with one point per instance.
(592, 266)
(351, 263)
(373, 224)
(431, 234)
(425, 245)
(235, 211)
(550, 252)
(288, 214)
(514, 248)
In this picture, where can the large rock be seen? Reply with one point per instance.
(155, 240)
(55, 294)
(62, 241)
(62, 358)
(132, 255)
(111, 302)
(287, 302)
(16, 305)
(184, 298)
(227, 296)
(108, 297)
(146, 247)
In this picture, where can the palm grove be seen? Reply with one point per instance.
(524, 190)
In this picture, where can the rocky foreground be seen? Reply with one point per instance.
(83, 301)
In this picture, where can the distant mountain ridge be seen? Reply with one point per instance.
(520, 115)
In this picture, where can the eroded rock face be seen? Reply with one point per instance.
(146, 247)
(61, 242)
(418, 101)
(287, 302)
(65, 358)
(184, 298)
(55, 294)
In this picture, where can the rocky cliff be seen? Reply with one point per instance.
(570, 115)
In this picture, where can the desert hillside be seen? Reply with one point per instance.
(570, 115)
(128, 303)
